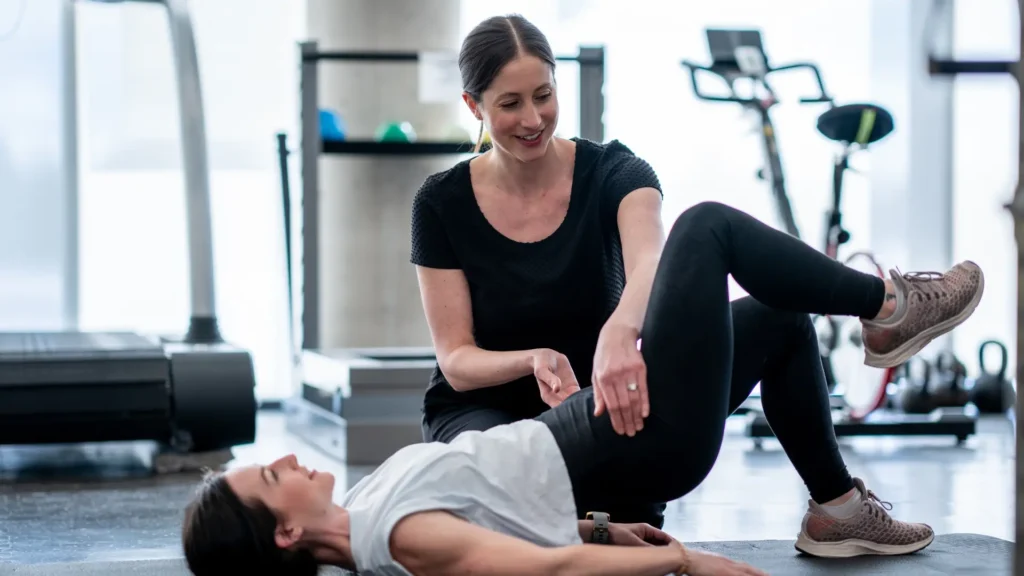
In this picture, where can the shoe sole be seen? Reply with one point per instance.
(854, 547)
(918, 342)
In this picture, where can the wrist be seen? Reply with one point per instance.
(618, 324)
(536, 357)
(684, 560)
(586, 528)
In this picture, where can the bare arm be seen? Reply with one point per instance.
(446, 303)
(464, 548)
(642, 235)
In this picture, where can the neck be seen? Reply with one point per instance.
(526, 178)
(332, 542)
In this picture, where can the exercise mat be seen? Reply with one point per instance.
(960, 554)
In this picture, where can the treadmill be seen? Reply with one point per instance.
(193, 394)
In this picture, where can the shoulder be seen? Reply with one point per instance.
(440, 187)
(606, 156)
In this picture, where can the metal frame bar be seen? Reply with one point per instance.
(203, 323)
(312, 144)
(1017, 210)
(592, 76)
(72, 272)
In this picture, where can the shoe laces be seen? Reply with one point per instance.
(878, 507)
(927, 282)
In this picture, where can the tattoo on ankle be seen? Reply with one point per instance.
(889, 296)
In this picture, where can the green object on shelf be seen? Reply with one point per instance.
(395, 132)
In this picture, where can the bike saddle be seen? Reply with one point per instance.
(856, 123)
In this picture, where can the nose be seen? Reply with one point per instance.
(531, 117)
(289, 462)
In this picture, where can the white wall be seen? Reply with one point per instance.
(37, 255)
(985, 172)
(133, 246)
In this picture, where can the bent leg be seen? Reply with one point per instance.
(780, 350)
(687, 344)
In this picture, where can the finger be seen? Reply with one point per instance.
(546, 376)
(635, 408)
(656, 535)
(645, 400)
(618, 404)
(599, 406)
(611, 405)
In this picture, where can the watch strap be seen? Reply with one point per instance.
(600, 534)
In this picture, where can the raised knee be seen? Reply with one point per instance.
(700, 217)
(798, 324)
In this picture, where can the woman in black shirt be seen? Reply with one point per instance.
(543, 265)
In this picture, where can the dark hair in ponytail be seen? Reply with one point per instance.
(223, 535)
(494, 43)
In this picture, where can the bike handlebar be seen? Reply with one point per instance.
(694, 67)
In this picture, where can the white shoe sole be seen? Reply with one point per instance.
(918, 342)
(851, 548)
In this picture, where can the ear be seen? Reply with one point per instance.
(473, 106)
(286, 536)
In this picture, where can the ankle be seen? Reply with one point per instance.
(888, 302)
(841, 499)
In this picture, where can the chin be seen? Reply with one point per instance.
(525, 153)
(326, 481)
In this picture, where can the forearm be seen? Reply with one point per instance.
(470, 367)
(600, 560)
(632, 306)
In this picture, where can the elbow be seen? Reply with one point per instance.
(446, 362)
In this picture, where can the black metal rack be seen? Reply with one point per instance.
(591, 61)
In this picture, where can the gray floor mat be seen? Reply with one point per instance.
(960, 554)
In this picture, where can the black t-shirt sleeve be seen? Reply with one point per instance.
(628, 173)
(431, 246)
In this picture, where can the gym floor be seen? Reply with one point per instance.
(56, 505)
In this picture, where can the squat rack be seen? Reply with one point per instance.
(953, 67)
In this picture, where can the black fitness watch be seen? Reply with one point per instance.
(600, 533)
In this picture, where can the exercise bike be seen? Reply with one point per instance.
(857, 391)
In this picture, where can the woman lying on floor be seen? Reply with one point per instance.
(503, 501)
(500, 497)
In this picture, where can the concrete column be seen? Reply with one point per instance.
(368, 291)
(911, 171)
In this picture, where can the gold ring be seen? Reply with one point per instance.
(631, 387)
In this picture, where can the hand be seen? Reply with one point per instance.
(620, 379)
(637, 535)
(555, 377)
(708, 564)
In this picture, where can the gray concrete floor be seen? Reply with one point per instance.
(74, 504)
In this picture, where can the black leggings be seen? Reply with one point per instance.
(704, 355)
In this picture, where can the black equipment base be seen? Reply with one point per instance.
(957, 422)
(75, 387)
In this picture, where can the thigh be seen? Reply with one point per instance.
(762, 335)
(632, 476)
(446, 424)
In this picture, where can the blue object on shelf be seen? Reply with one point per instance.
(331, 126)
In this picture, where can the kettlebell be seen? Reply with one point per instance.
(947, 385)
(993, 392)
(913, 395)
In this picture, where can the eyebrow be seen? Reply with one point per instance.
(546, 85)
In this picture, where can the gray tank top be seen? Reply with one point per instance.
(510, 479)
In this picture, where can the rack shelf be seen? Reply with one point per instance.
(372, 147)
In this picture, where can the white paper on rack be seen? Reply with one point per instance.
(439, 77)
